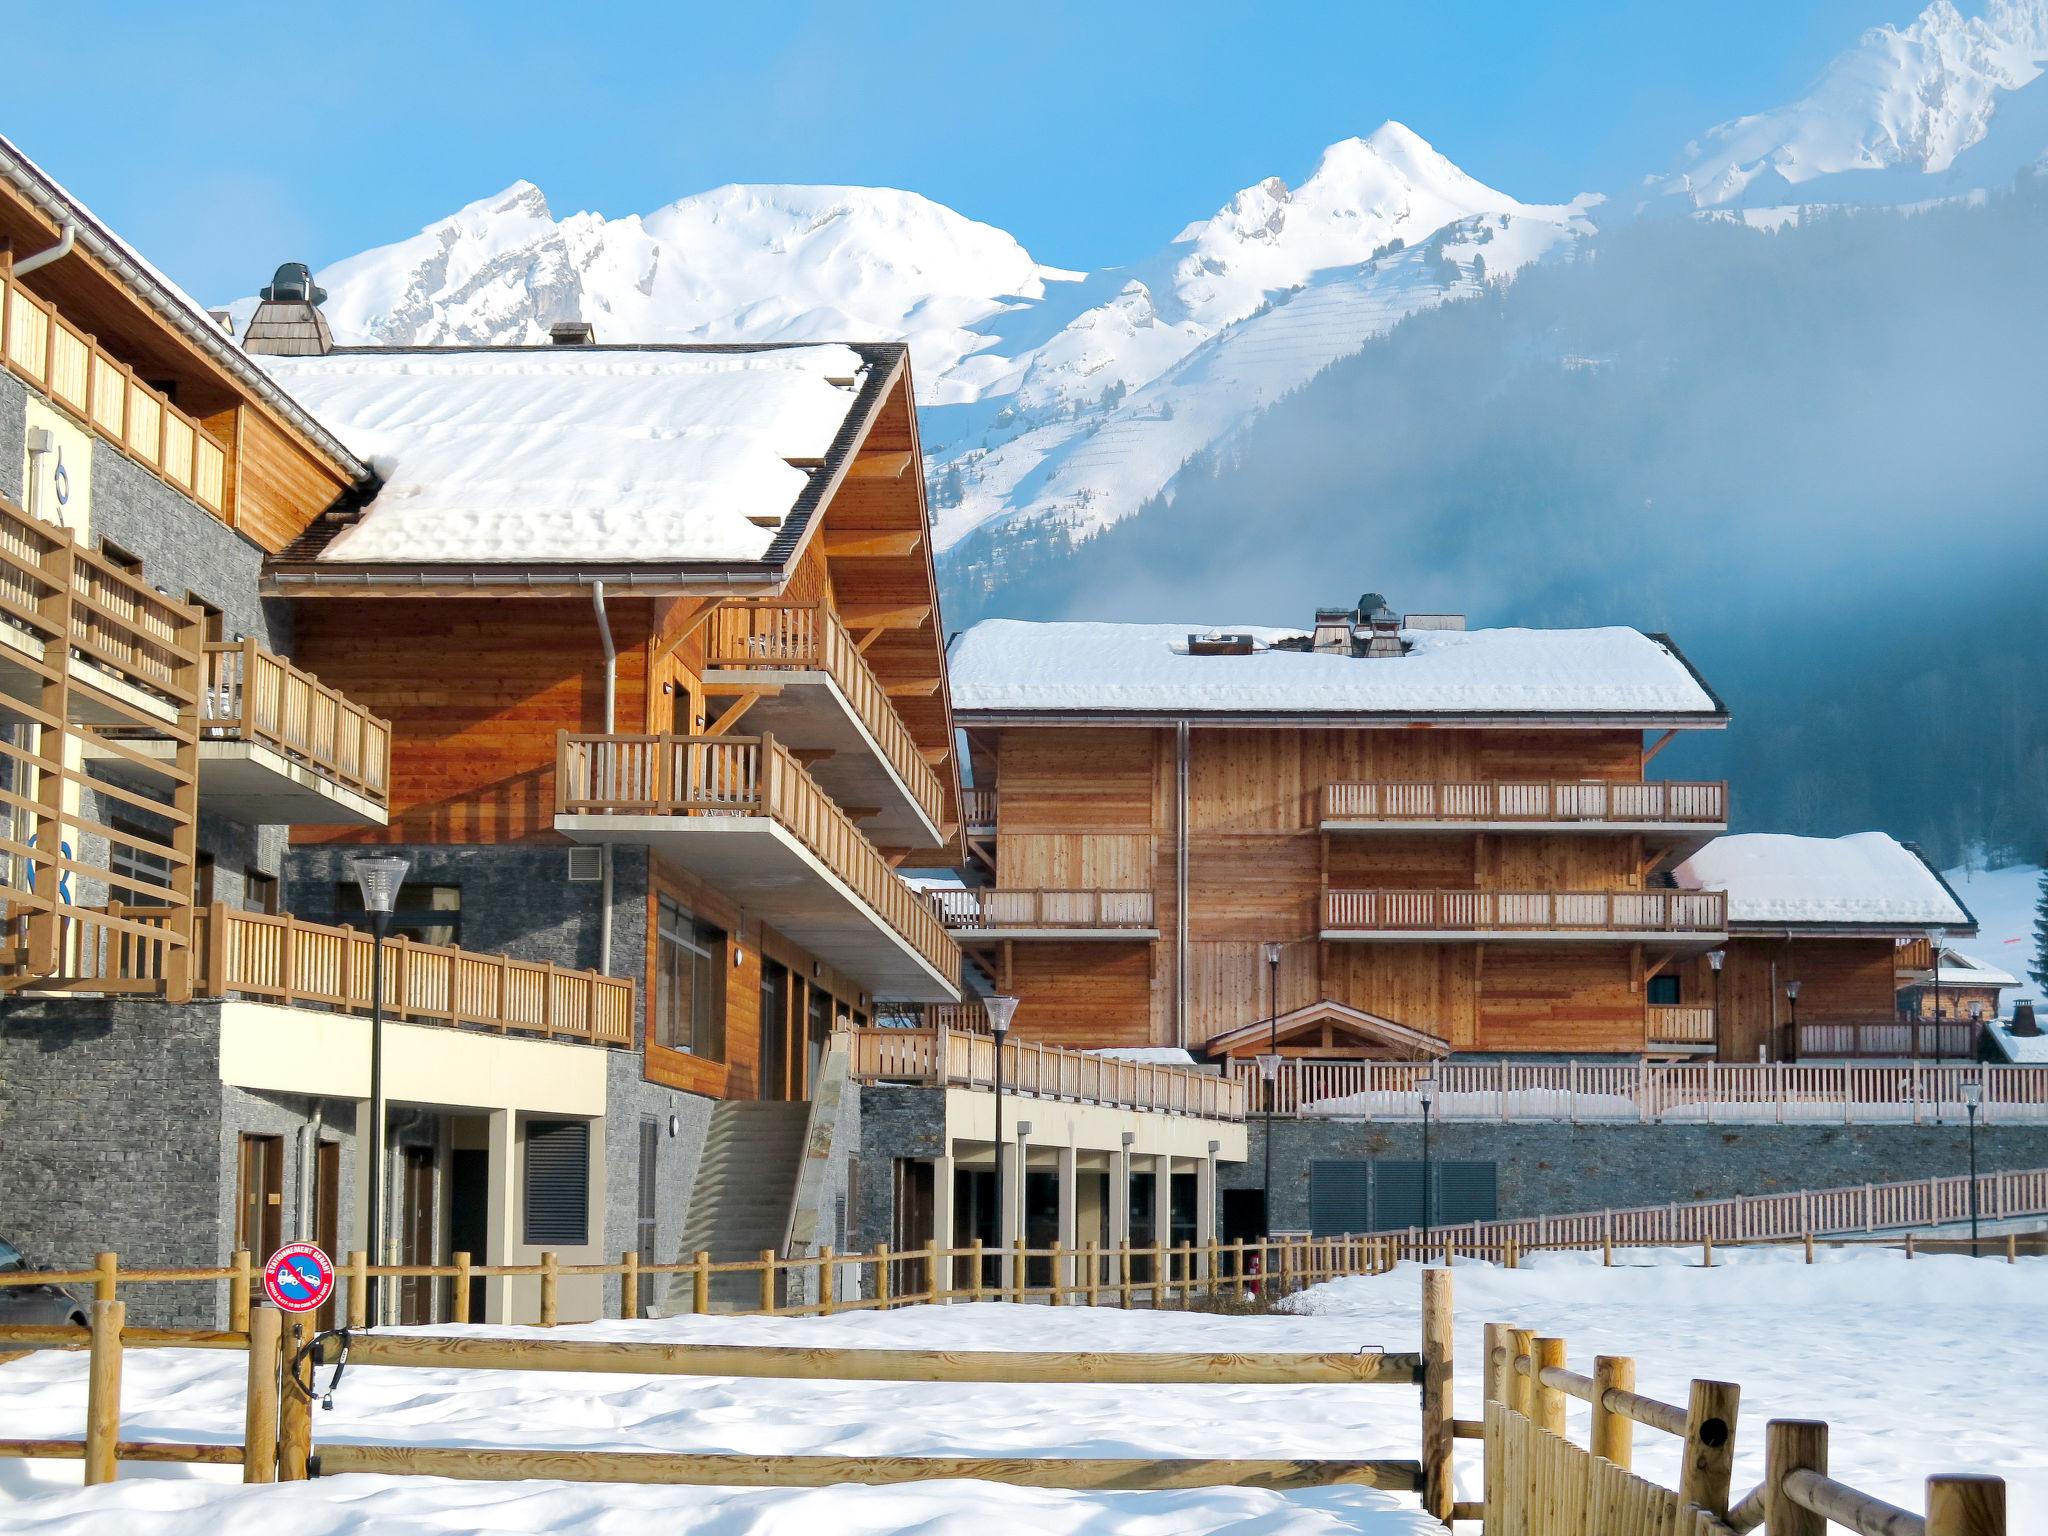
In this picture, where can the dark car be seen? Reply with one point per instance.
(44, 1304)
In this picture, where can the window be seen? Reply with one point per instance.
(689, 984)
(557, 1183)
(202, 881)
(211, 620)
(119, 558)
(426, 914)
(646, 1231)
(1663, 991)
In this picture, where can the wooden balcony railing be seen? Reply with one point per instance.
(744, 776)
(1589, 912)
(1902, 1039)
(978, 807)
(955, 1058)
(256, 696)
(761, 634)
(996, 908)
(1664, 801)
(1914, 955)
(1681, 1024)
(103, 393)
(284, 960)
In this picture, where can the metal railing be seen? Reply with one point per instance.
(256, 696)
(1589, 912)
(1661, 801)
(971, 909)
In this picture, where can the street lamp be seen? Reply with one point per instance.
(1792, 997)
(1269, 1075)
(1425, 1085)
(1269, 1064)
(1000, 1011)
(1716, 958)
(1973, 1095)
(379, 880)
(1937, 940)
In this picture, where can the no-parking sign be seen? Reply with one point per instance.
(299, 1278)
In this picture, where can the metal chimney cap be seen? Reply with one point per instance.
(293, 283)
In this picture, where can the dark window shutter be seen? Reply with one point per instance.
(1338, 1197)
(1464, 1192)
(558, 1182)
(1397, 1194)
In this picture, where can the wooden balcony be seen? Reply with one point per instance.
(978, 810)
(741, 813)
(1698, 810)
(947, 1058)
(1890, 1039)
(67, 365)
(278, 745)
(990, 913)
(1436, 916)
(1681, 1028)
(802, 679)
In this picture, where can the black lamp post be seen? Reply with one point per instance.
(1000, 1010)
(1973, 1094)
(1937, 940)
(1716, 958)
(1269, 1063)
(1426, 1087)
(379, 879)
(1792, 997)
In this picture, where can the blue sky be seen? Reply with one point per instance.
(258, 133)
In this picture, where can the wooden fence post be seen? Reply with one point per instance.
(1792, 1445)
(259, 1412)
(106, 1271)
(768, 1297)
(103, 1392)
(1123, 1274)
(1613, 1433)
(1093, 1259)
(1965, 1506)
(1710, 1416)
(294, 1411)
(885, 1286)
(1057, 1299)
(978, 1286)
(550, 1282)
(1707, 1251)
(629, 1285)
(458, 1311)
(1019, 1261)
(828, 1277)
(1520, 1389)
(700, 1282)
(1549, 1401)
(1437, 1491)
(238, 1291)
(358, 1289)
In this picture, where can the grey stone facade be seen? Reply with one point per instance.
(13, 436)
(894, 1122)
(1548, 1169)
(630, 1099)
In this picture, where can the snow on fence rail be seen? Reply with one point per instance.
(1714, 1092)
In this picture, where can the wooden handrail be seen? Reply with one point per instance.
(1005, 907)
(1649, 802)
(978, 807)
(763, 634)
(1681, 1024)
(254, 695)
(663, 775)
(286, 960)
(71, 367)
(946, 1057)
(1891, 1039)
(1485, 911)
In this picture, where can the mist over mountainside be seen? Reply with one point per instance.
(1814, 456)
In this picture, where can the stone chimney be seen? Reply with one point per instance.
(2023, 1022)
(288, 322)
(573, 333)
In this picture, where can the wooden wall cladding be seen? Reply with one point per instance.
(1078, 781)
(1433, 987)
(1084, 994)
(1242, 884)
(279, 486)
(1228, 985)
(1559, 997)
(1841, 980)
(1403, 861)
(1114, 861)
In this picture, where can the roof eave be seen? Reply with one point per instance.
(1617, 719)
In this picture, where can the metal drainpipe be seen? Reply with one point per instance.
(67, 237)
(1180, 887)
(611, 725)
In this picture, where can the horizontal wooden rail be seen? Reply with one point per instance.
(978, 807)
(106, 397)
(1839, 1504)
(755, 634)
(176, 1452)
(285, 960)
(1528, 912)
(970, 908)
(1652, 803)
(255, 696)
(697, 776)
(944, 1057)
(1681, 1024)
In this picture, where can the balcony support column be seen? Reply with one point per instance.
(1069, 1195)
(1162, 1213)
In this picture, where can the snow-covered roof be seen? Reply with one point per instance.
(507, 455)
(1960, 970)
(1865, 878)
(1006, 665)
(2021, 1050)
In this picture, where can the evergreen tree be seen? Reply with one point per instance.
(2039, 970)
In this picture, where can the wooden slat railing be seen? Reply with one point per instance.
(1656, 802)
(762, 634)
(978, 807)
(1592, 912)
(967, 909)
(656, 775)
(1914, 955)
(1713, 1091)
(1681, 1024)
(945, 1057)
(288, 961)
(1911, 1039)
(254, 695)
(69, 366)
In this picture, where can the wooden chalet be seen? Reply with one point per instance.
(1450, 837)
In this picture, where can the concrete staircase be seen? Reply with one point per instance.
(740, 1202)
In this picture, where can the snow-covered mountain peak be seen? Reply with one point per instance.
(1912, 98)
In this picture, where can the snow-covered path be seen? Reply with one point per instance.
(1807, 1342)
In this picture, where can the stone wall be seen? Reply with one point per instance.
(629, 1098)
(1549, 1169)
(13, 436)
(894, 1122)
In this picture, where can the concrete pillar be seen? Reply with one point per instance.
(1010, 1202)
(1162, 1210)
(1069, 1173)
(1205, 1210)
(501, 1219)
(942, 1219)
(1120, 1197)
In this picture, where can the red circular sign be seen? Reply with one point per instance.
(299, 1278)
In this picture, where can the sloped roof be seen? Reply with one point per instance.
(1370, 1030)
(1867, 879)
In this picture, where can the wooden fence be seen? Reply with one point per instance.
(966, 909)
(945, 1057)
(762, 634)
(1669, 802)
(1538, 1483)
(1892, 1039)
(1715, 1092)
(256, 696)
(72, 368)
(1698, 913)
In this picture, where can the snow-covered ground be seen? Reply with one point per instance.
(1807, 1342)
